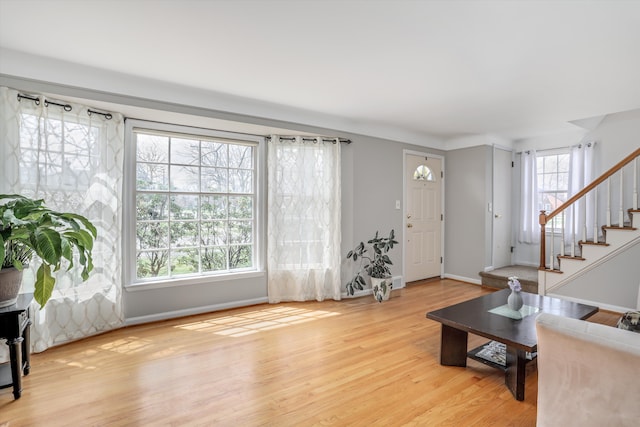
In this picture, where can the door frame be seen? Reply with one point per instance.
(406, 152)
(496, 147)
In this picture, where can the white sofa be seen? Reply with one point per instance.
(588, 374)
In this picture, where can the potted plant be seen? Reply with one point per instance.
(377, 266)
(28, 228)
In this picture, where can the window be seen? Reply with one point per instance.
(64, 158)
(553, 182)
(195, 203)
(423, 173)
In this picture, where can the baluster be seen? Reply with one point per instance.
(635, 184)
(621, 212)
(584, 214)
(595, 215)
(562, 235)
(573, 230)
(608, 202)
(553, 241)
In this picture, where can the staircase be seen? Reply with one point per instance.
(570, 255)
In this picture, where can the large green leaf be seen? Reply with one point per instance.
(80, 238)
(48, 245)
(88, 225)
(44, 285)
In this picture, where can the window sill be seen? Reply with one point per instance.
(189, 281)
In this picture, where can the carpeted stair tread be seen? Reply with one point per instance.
(498, 278)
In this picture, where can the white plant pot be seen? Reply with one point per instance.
(10, 280)
(381, 288)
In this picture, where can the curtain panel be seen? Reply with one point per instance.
(529, 227)
(580, 218)
(303, 225)
(74, 161)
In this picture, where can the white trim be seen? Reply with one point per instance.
(463, 279)
(193, 280)
(600, 305)
(129, 203)
(192, 311)
(493, 204)
(406, 152)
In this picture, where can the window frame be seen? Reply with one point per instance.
(129, 205)
(549, 153)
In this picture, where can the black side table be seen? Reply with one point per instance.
(14, 327)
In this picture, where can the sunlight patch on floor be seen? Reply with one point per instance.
(251, 322)
(127, 345)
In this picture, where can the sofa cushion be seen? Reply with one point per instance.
(587, 374)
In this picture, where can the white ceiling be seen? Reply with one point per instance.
(443, 68)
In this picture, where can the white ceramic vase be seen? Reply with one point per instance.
(514, 301)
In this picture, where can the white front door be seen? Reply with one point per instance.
(423, 217)
(501, 208)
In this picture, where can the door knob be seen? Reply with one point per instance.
(498, 216)
(409, 225)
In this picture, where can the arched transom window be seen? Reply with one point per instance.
(423, 173)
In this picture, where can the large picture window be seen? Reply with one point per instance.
(195, 204)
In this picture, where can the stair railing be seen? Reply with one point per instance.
(544, 219)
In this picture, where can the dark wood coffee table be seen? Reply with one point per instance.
(518, 334)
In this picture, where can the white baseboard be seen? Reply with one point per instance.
(191, 311)
(396, 281)
(463, 279)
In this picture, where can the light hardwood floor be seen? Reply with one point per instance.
(342, 363)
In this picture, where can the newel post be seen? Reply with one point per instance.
(542, 219)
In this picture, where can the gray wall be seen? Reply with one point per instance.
(615, 283)
(371, 183)
(467, 220)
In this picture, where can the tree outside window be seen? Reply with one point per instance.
(195, 205)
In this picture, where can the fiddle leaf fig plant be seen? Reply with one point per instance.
(376, 265)
(28, 228)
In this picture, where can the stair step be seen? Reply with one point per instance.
(616, 227)
(577, 258)
(590, 242)
(552, 270)
(498, 278)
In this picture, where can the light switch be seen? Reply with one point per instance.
(397, 204)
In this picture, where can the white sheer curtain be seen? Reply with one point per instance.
(581, 174)
(303, 248)
(529, 212)
(74, 161)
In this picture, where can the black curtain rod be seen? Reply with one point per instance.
(35, 99)
(67, 107)
(315, 140)
(107, 116)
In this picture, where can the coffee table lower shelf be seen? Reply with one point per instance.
(473, 354)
